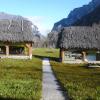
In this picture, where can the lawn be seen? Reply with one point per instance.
(46, 52)
(79, 82)
(20, 79)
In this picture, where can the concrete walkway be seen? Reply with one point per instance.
(51, 89)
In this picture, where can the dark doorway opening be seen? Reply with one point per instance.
(16, 50)
(2, 50)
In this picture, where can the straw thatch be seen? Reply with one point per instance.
(15, 30)
(80, 37)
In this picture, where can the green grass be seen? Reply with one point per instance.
(20, 79)
(80, 82)
(46, 52)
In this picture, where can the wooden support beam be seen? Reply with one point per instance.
(7, 50)
(29, 46)
(84, 56)
(30, 51)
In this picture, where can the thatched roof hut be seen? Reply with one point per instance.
(16, 36)
(79, 44)
(15, 30)
(80, 37)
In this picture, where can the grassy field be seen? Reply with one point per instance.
(46, 52)
(80, 82)
(20, 79)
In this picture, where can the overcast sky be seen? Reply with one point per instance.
(43, 13)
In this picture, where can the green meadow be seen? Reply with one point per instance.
(77, 80)
(20, 79)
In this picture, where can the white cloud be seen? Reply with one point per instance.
(41, 23)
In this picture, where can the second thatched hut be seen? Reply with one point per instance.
(79, 44)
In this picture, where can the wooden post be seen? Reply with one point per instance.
(84, 56)
(29, 45)
(7, 50)
(30, 51)
(62, 55)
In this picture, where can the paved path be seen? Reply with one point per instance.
(51, 89)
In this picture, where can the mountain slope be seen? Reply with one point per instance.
(88, 20)
(76, 14)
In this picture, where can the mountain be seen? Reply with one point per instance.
(76, 14)
(91, 18)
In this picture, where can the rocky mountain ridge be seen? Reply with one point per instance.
(76, 14)
(90, 19)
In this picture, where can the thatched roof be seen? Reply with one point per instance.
(18, 30)
(80, 37)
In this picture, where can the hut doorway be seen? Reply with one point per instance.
(2, 50)
(16, 50)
